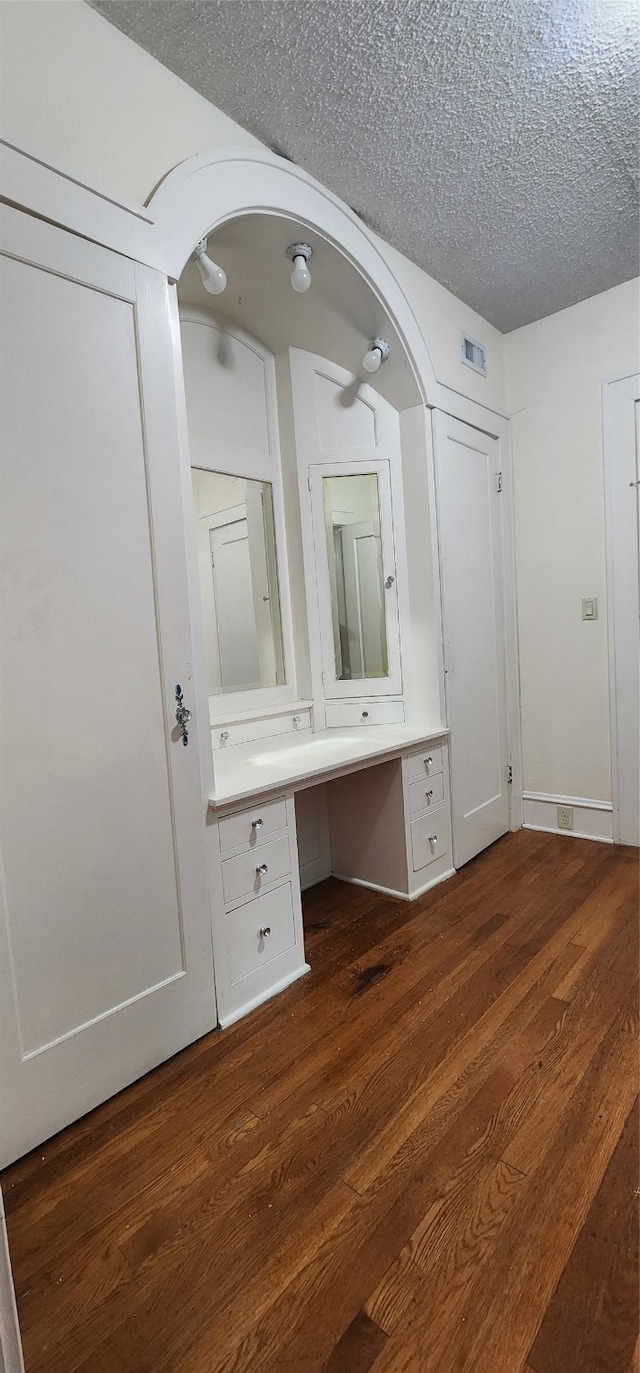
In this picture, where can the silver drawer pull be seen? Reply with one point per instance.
(429, 793)
(433, 838)
(257, 824)
(262, 870)
(365, 715)
(428, 762)
(265, 931)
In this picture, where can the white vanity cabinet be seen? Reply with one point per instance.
(391, 830)
(258, 927)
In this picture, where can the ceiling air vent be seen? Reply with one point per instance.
(473, 355)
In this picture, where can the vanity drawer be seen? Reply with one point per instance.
(430, 839)
(240, 875)
(426, 793)
(422, 764)
(249, 947)
(252, 826)
(352, 713)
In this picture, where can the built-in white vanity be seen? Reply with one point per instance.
(330, 754)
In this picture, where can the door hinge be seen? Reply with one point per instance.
(509, 773)
(498, 481)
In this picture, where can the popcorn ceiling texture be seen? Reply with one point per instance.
(494, 142)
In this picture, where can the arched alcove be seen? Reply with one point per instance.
(210, 189)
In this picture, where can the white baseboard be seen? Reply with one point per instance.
(390, 891)
(316, 871)
(230, 1017)
(591, 819)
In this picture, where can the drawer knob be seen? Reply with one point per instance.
(365, 715)
(265, 931)
(296, 721)
(428, 762)
(430, 792)
(257, 824)
(433, 838)
(262, 870)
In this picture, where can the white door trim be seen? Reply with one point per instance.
(620, 396)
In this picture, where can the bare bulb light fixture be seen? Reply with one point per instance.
(377, 353)
(299, 254)
(213, 278)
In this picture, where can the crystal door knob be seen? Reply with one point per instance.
(262, 870)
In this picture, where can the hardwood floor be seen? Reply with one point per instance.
(422, 1158)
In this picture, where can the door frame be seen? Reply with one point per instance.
(622, 700)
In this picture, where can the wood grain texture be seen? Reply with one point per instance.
(415, 1160)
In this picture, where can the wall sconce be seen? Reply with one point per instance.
(213, 278)
(299, 254)
(377, 354)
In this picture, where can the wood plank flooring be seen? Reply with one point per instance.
(421, 1158)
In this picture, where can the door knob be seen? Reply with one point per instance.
(183, 715)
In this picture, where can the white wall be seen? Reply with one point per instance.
(78, 91)
(554, 371)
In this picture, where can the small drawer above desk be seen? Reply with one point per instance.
(252, 826)
(249, 873)
(426, 794)
(423, 764)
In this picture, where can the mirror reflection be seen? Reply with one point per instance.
(354, 548)
(238, 582)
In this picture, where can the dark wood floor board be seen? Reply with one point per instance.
(582, 1029)
(386, 1168)
(534, 1245)
(458, 1076)
(358, 1348)
(593, 1315)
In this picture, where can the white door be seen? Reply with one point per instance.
(622, 432)
(106, 963)
(470, 543)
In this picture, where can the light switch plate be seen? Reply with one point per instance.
(590, 608)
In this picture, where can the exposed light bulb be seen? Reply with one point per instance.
(371, 360)
(377, 353)
(213, 278)
(301, 276)
(299, 254)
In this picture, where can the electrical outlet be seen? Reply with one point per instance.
(565, 817)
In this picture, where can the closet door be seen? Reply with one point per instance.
(106, 964)
(470, 544)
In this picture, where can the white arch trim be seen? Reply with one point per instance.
(211, 188)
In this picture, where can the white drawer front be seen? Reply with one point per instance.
(426, 762)
(352, 713)
(248, 873)
(245, 731)
(430, 839)
(426, 794)
(249, 946)
(253, 826)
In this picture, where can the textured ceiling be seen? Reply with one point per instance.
(494, 142)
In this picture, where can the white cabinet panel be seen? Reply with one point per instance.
(254, 825)
(426, 794)
(109, 968)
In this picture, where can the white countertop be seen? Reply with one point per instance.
(245, 770)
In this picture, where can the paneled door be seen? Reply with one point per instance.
(106, 948)
(468, 489)
(622, 477)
